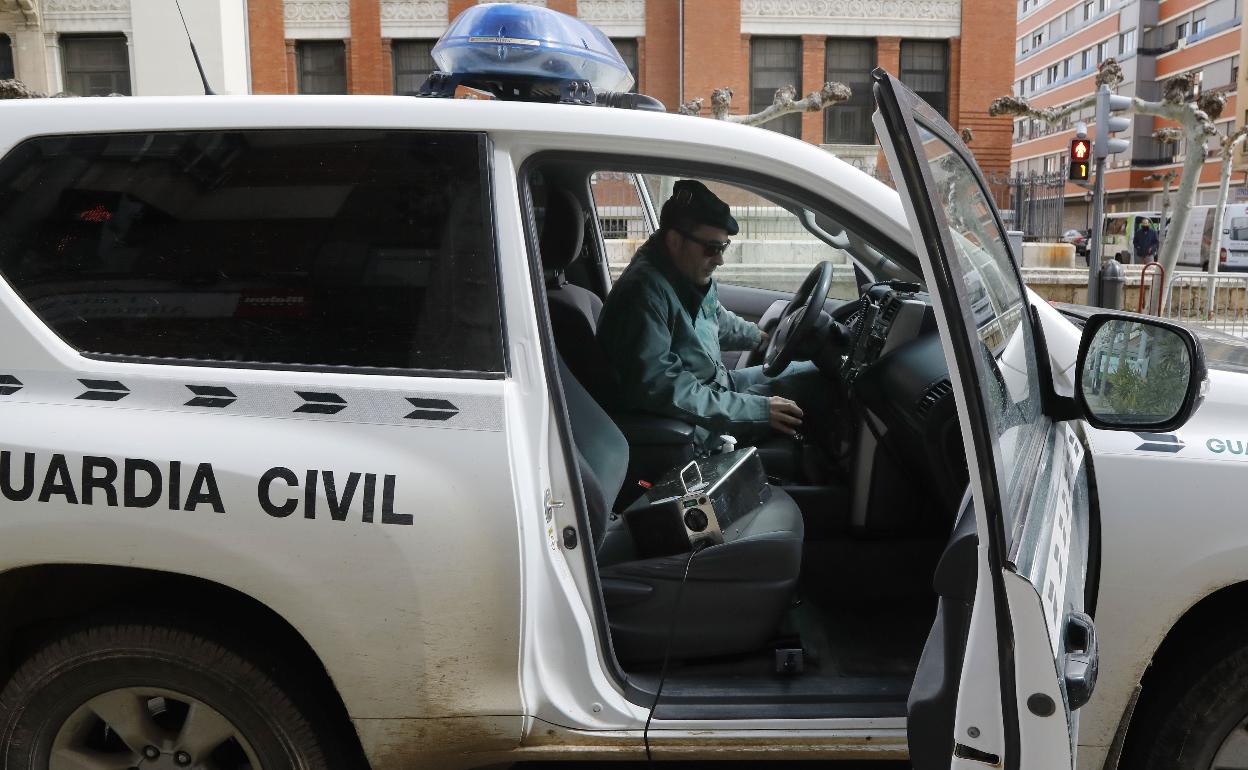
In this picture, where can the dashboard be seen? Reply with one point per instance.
(895, 388)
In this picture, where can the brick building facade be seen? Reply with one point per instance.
(955, 52)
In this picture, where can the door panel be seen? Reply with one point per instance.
(1031, 519)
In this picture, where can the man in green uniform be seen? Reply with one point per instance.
(662, 329)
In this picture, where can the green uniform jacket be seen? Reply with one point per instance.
(663, 336)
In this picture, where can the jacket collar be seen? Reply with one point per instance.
(654, 252)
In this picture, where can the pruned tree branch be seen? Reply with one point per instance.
(691, 107)
(16, 89)
(1109, 73)
(1167, 135)
(784, 103)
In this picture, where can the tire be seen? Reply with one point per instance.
(86, 691)
(1196, 713)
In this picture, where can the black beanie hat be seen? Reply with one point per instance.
(691, 200)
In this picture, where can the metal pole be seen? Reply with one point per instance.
(1094, 252)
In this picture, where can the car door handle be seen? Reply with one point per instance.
(1080, 661)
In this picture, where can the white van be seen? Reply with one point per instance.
(1198, 238)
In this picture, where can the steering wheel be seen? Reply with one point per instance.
(799, 318)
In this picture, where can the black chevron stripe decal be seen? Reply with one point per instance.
(320, 403)
(211, 396)
(438, 409)
(103, 390)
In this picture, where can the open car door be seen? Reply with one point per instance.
(1012, 654)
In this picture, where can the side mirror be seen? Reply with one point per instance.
(1138, 373)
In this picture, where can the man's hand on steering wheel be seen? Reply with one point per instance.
(799, 319)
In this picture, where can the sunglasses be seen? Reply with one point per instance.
(710, 247)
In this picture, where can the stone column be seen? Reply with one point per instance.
(987, 36)
(814, 56)
(292, 67)
(31, 58)
(365, 71)
(713, 54)
(456, 7)
(661, 65)
(888, 54)
(387, 64)
(266, 32)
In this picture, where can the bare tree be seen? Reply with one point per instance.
(784, 103)
(1219, 209)
(1195, 117)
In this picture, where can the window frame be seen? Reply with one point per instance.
(303, 46)
(485, 166)
(8, 67)
(780, 125)
(396, 47)
(860, 89)
(946, 71)
(116, 37)
(633, 61)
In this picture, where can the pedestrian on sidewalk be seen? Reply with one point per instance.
(1145, 242)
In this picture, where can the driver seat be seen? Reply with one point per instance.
(736, 593)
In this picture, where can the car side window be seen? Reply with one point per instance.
(368, 249)
(773, 249)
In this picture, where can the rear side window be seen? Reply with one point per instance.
(342, 248)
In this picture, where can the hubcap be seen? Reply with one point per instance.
(1233, 754)
(149, 729)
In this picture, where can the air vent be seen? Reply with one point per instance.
(932, 396)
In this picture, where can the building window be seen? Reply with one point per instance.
(1180, 30)
(1089, 10)
(288, 248)
(1085, 60)
(1052, 73)
(96, 65)
(627, 48)
(1102, 51)
(1198, 26)
(775, 62)
(6, 58)
(412, 63)
(1126, 43)
(850, 61)
(925, 70)
(322, 66)
(1037, 40)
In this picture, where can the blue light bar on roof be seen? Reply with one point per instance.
(527, 41)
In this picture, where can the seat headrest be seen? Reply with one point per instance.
(563, 231)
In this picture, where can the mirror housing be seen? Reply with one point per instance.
(1138, 373)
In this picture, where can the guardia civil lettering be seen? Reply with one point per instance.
(139, 483)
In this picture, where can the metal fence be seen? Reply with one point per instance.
(1190, 300)
(1033, 203)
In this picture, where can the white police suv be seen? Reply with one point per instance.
(307, 461)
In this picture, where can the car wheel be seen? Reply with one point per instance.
(1197, 717)
(149, 696)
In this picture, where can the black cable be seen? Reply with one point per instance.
(667, 649)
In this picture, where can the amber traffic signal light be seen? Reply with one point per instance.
(1080, 158)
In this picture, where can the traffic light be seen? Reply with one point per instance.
(1106, 123)
(1080, 157)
